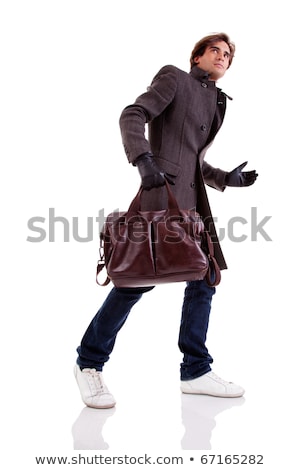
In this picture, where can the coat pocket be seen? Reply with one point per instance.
(168, 167)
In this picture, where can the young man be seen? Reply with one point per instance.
(184, 112)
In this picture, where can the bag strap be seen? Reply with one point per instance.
(100, 266)
(101, 263)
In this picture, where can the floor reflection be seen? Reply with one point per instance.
(198, 418)
(198, 413)
(87, 429)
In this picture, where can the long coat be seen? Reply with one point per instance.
(184, 112)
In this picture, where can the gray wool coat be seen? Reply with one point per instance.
(184, 112)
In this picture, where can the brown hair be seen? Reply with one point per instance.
(200, 46)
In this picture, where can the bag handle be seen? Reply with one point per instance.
(135, 205)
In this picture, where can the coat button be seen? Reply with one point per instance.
(204, 85)
(203, 127)
(193, 185)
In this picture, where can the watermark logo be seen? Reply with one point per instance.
(59, 228)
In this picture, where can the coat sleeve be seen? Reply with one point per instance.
(214, 177)
(146, 107)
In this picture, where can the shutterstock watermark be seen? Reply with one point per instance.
(55, 228)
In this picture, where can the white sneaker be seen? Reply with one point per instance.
(94, 392)
(211, 384)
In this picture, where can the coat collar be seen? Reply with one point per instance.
(203, 76)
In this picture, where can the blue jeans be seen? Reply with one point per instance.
(99, 338)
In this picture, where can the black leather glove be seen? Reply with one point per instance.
(239, 178)
(152, 176)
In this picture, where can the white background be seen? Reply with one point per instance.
(68, 68)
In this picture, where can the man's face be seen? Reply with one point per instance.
(215, 60)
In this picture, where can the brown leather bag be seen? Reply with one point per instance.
(140, 248)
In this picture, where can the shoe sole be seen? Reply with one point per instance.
(228, 395)
(104, 407)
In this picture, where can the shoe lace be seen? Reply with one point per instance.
(216, 377)
(95, 382)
